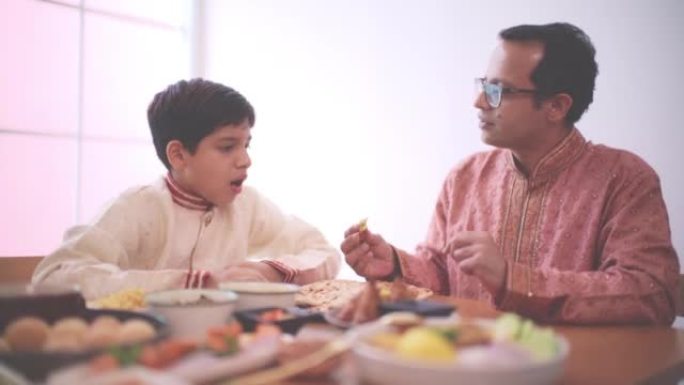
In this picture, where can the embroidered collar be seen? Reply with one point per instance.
(185, 198)
(559, 158)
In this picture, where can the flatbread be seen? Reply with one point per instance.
(335, 293)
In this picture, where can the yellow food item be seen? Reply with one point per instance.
(128, 299)
(27, 334)
(363, 224)
(422, 343)
(387, 341)
(385, 293)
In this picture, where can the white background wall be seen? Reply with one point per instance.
(364, 105)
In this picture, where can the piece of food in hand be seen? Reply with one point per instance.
(300, 348)
(363, 224)
(27, 334)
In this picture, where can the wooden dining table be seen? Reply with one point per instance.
(609, 354)
(602, 355)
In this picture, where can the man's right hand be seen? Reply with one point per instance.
(367, 253)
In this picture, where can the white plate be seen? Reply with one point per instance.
(379, 366)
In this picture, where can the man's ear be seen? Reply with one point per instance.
(559, 105)
(176, 154)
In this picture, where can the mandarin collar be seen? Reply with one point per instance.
(556, 160)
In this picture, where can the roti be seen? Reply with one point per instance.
(329, 294)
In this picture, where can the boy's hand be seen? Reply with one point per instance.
(250, 271)
(367, 253)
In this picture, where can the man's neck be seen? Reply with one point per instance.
(527, 159)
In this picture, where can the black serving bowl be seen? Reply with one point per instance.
(48, 302)
(425, 308)
(36, 366)
(294, 319)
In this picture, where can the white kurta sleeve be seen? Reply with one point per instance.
(119, 250)
(292, 246)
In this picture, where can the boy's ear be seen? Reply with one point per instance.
(559, 105)
(176, 154)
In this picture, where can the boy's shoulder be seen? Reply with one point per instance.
(140, 199)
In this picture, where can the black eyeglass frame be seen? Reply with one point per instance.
(494, 92)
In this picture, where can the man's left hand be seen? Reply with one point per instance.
(478, 255)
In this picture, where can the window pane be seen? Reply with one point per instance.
(39, 66)
(109, 168)
(39, 194)
(125, 66)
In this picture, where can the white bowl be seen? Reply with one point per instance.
(190, 312)
(252, 295)
(379, 366)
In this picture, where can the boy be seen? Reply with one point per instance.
(199, 225)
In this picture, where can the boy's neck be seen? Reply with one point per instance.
(185, 198)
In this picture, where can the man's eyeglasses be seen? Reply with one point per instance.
(494, 91)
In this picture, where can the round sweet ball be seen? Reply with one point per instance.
(101, 337)
(72, 327)
(106, 322)
(4, 346)
(62, 342)
(27, 334)
(135, 330)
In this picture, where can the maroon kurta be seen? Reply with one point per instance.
(585, 235)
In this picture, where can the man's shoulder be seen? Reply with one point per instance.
(476, 163)
(620, 161)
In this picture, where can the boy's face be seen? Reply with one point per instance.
(219, 166)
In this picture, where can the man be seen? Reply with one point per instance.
(548, 224)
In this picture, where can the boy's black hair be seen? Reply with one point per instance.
(568, 65)
(188, 111)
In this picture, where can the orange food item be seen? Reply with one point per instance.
(274, 315)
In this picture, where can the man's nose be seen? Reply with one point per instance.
(480, 101)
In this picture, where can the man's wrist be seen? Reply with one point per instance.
(396, 265)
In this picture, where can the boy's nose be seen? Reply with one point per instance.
(245, 160)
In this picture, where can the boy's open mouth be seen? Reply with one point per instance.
(237, 182)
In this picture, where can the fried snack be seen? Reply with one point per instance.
(363, 307)
(363, 224)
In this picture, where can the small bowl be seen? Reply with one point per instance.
(294, 319)
(252, 295)
(190, 312)
(49, 302)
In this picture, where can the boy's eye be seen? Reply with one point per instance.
(226, 148)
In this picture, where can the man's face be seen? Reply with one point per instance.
(517, 122)
(219, 165)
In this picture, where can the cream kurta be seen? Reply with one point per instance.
(145, 240)
(586, 235)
